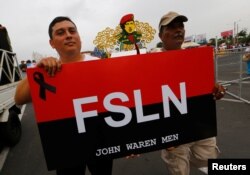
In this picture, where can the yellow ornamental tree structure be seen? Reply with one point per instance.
(106, 40)
(119, 39)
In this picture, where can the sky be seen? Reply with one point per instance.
(27, 21)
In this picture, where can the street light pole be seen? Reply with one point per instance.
(237, 37)
(216, 43)
(234, 35)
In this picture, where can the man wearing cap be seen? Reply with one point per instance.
(178, 159)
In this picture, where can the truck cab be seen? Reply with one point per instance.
(10, 75)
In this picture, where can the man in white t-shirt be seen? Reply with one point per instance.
(65, 38)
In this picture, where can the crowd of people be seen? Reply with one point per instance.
(64, 37)
(25, 64)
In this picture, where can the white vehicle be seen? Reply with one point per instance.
(10, 74)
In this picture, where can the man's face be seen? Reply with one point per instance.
(173, 35)
(130, 26)
(65, 38)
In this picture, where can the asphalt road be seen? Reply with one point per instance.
(27, 158)
(233, 121)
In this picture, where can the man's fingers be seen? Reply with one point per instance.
(218, 91)
(50, 64)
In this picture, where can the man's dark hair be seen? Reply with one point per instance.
(56, 20)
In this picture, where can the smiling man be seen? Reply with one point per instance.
(65, 38)
(172, 31)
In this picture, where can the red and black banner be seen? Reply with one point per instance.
(116, 107)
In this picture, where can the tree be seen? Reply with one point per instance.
(212, 41)
(242, 36)
(242, 33)
(248, 39)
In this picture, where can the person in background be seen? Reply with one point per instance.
(178, 159)
(65, 38)
(246, 58)
(28, 63)
(34, 62)
(23, 66)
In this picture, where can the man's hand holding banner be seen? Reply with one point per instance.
(116, 107)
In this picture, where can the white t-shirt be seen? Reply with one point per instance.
(88, 57)
(247, 49)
